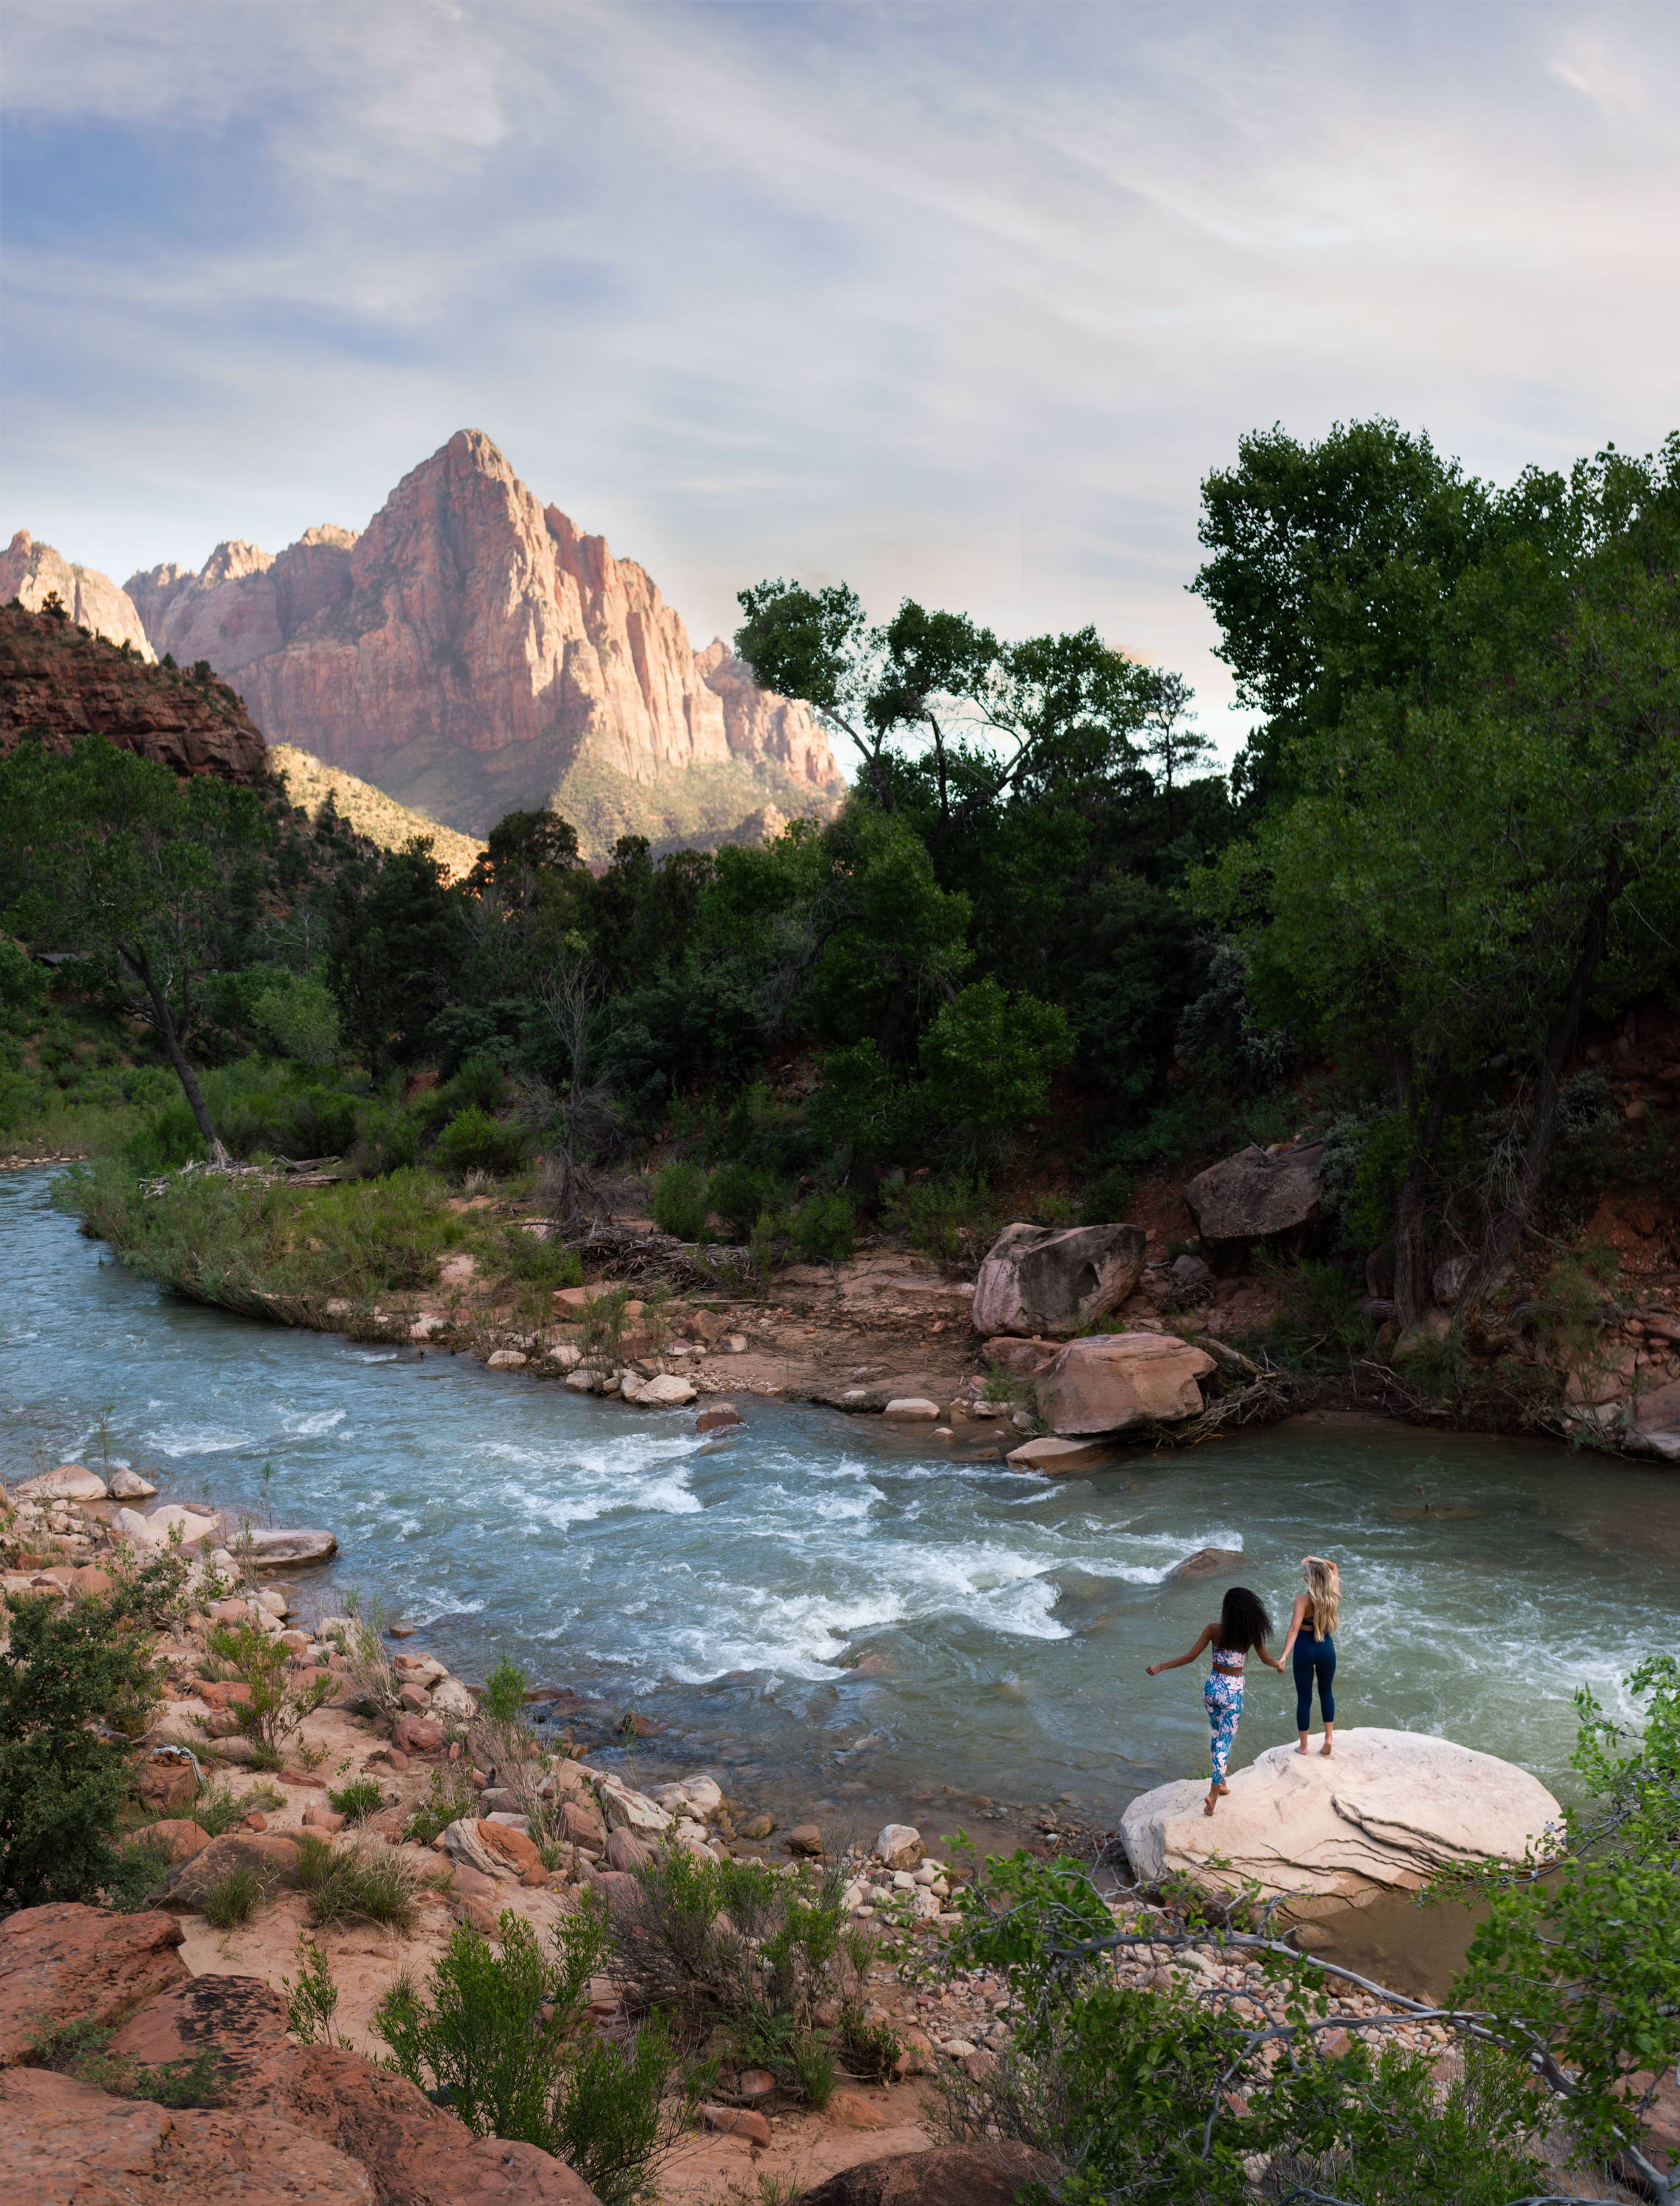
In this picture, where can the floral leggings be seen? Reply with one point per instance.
(1223, 1699)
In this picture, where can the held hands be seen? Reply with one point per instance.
(1154, 1670)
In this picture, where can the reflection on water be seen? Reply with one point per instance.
(925, 1621)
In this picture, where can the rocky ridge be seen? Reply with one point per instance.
(58, 680)
(472, 651)
(31, 573)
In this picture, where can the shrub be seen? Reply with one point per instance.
(376, 1236)
(1108, 1198)
(388, 1140)
(218, 1808)
(825, 1228)
(954, 1219)
(475, 1141)
(312, 1996)
(869, 2049)
(738, 1194)
(81, 2050)
(504, 2032)
(67, 1666)
(679, 1204)
(545, 1264)
(233, 1899)
(356, 1883)
(358, 1800)
(373, 1676)
(502, 1700)
(276, 1709)
(135, 1872)
(448, 1798)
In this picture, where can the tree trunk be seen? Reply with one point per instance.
(164, 1019)
(1412, 1244)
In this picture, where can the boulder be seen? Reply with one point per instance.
(737, 2121)
(489, 1848)
(581, 1823)
(242, 2017)
(806, 1839)
(634, 1811)
(155, 1531)
(1383, 1814)
(994, 2173)
(1115, 1380)
(717, 1416)
(506, 1359)
(451, 1700)
(67, 1962)
(626, 1851)
(273, 1857)
(1053, 1279)
(1191, 1273)
(1658, 1411)
(129, 1486)
(1021, 1359)
(71, 1482)
(1052, 1455)
(177, 1838)
(416, 2153)
(1255, 1194)
(667, 1392)
(61, 2140)
(278, 1550)
(417, 1735)
(900, 1846)
(1208, 1563)
(914, 1408)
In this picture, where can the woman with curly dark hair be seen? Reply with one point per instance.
(1243, 1627)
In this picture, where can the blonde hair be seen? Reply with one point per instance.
(1324, 1597)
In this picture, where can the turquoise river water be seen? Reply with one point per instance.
(728, 1589)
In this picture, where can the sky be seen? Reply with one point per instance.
(957, 301)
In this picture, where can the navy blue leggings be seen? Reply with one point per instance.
(1314, 1658)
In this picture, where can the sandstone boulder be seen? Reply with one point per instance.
(270, 1856)
(1253, 1194)
(492, 1849)
(993, 2173)
(900, 1846)
(129, 1486)
(177, 1838)
(1054, 1456)
(417, 1735)
(1383, 1814)
(717, 1416)
(71, 1482)
(1043, 1280)
(279, 1550)
(242, 2017)
(416, 2153)
(914, 1408)
(1208, 1563)
(67, 1962)
(63, 2141)
(1115, 1380)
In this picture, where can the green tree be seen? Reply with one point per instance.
(108, 855)
(397, 946)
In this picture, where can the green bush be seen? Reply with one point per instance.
(954, 1219)
(825, 1228)
(502, 1700)
(276, 1709)
(356, 1883)
(388, 1140)
(503, 2031)
(543, 1264)
(679, 1204)
(218, 1808)
(67, 1666)
(447, 1797)
(740, 1193)
(1107, 1199)
(475, 1141)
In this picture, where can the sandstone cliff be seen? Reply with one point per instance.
(471, 652)
(60, 683)
(31, 572)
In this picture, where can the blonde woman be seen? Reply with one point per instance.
(1312, 1643)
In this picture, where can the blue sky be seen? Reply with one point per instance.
(957, 300)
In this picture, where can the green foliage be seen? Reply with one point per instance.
(276, 1709)
(740, 1194)
(1108, 1197)
(825, 1228)
(81, 2050)
(357, 1882)
(679, 1202)
(545, 1264)
(502, 1700)
(312, 1996)
(447, 1797)
(231, 1902)
(502, 2029)
(1580, 1954)
(475, 1141)
(301, 1014)
(68, 1667)
(358, 1800)
(218, 1808)
(988, 1058)
(136, 1869)
(954, 1218)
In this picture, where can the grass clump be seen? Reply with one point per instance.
(448, 1798)
(81, 2050)
(231, 1902)
(356, 1883)
(218, 1808)
(357, 1800)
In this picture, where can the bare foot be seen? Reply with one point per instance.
(1324, 1749)
(1302, 1747)
(1212, 1799)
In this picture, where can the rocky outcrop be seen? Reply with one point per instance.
(1383, 1814)
(311, 784)
(241, 2017)
(66, 1962)
(1044, 1280)
(994, 2173)
(1113, 1381)
(1257, 1193)
(471, 650)
(58, 683)
(32, 572)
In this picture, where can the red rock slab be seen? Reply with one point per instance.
(990, 2175)
(64, 2143)
(67, 1963)
(241, 2017)
(177, 1838)
(416, 2153)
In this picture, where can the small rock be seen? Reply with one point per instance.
(755, 2084)
(417, 1735)
(900, 1846)
(452, 1700)
(912, 1409)
(322, 1819)
(506, 1359)
(177, 1838)
(414, 1699)
(760, 1827)
(850, 2110)
(129, 1486)
(1055, 1456)
(805, 1839)
(737, 2121)
(166, 1787)
(565, 1357)
(716, 1416)
(667, 1392)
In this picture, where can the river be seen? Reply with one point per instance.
(728, 1588)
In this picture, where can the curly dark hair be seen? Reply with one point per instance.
(1243, 1621)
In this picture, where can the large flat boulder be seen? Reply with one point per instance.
(1382, 1813)
(1254, 1194)
(65, 2144)
(282, 1550)
(994, 2173)
(241, 2017)
(1115, 1380)
(67, 1963)
(1047, 1279)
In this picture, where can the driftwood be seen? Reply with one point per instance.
(650, 1259)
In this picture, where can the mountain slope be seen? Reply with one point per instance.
(472, 651)
(381, 819)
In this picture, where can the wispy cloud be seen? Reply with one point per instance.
(956, 299)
